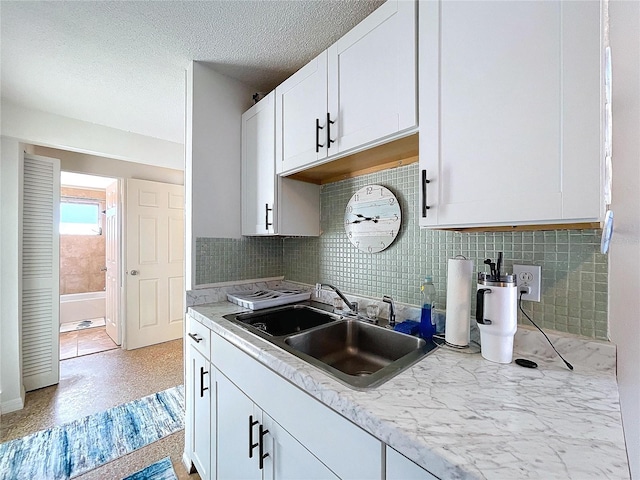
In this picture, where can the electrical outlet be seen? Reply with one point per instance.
(528, 276)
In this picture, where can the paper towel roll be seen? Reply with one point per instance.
(459, 282)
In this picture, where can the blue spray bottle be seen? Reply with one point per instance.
(427, 327)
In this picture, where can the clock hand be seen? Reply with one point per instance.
(365, 219)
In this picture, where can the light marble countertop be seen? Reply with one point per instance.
(461, 416)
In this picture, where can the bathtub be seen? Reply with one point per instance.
(75, 307)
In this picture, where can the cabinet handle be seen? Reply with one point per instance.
(329, 123)
(318, 128)
(202, 387)
(262, 454)
(266, 216)
(252, 445)
(425, 181)
(195, 337)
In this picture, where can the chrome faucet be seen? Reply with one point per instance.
(392, 310)
(353, 306)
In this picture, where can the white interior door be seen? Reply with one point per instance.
(155, 262)
(112, 235)
(40, 272)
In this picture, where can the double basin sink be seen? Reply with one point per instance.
(358, 354)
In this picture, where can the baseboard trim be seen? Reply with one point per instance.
(12, 405)
(188, 464)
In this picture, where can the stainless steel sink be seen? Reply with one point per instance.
(279, 321)
(358, 354)
(354, 347)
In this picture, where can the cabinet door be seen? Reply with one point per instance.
(310, 422)
(200, 396)
(236, 432)
(258, 167)
(400, 467)
(372, 77)
(288, 459)
(301, 104)
(509, 112)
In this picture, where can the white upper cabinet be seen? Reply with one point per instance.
(258, 168)
(301, 116)
(360, 92)
(509, 113)
(372, 78)
(272, 205)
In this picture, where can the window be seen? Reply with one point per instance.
(80, 218)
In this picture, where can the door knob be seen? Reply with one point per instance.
(134, 272)
(103, 269)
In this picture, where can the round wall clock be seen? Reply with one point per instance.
(372, 218)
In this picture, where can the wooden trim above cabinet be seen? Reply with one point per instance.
(397, 153)
(527, 228)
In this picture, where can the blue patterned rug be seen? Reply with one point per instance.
(162, 470)
(66, 451)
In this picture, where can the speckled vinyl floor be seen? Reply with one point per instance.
(93, 383)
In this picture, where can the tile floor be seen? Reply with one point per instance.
(84, 342)
(92, 383)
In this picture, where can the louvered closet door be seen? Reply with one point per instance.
(40, 272)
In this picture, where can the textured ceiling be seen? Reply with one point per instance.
(122, 63)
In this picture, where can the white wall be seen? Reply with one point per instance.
(41, 128)
(624, 256)
(215, 104)
(108, 167)
(11, 159)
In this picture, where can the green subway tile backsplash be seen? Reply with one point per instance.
(574, 273)
(228, 259)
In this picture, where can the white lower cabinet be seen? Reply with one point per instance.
(251, 445)
(309, 439)
(237, 436)
(400, 467)
(201, 439)
(244, 421)
(199, 390)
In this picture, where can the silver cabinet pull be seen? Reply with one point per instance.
(134, 272)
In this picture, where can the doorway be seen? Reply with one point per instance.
(89, 258)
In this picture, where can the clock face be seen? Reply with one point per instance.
(372, 218)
